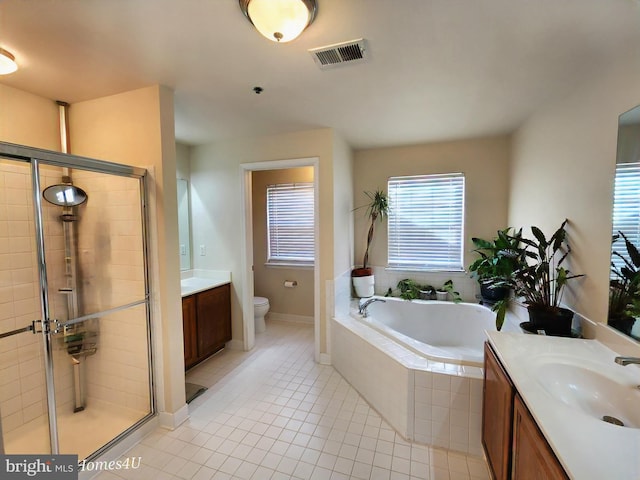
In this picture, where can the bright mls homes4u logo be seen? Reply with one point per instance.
(50, 467)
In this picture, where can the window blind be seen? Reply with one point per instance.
(626, 207)
(426, 218)
(290, 223)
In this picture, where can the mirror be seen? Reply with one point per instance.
(184, 226)
(624, 278)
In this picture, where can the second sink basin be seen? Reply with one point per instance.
(612, 394)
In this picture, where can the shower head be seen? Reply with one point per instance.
(64, 195)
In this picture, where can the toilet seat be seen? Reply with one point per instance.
(258, 301)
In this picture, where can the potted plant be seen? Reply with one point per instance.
(412, 290)
(496, 264)
(447, 290)
(499, 259)
(624, 286)
(541, 281)
(362, 277)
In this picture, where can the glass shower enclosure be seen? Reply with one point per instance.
(75, 338)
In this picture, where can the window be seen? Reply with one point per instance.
(426, 217)
(290, 223)
(626, 207)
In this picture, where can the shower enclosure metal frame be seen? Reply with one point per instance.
(49, 326)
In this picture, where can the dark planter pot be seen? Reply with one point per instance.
(492, 294)
(361, 272)
(554, 321)
(622, 323)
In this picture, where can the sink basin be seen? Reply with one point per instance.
(613, 394)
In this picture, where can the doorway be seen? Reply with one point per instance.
(75, 350)
(248, 245)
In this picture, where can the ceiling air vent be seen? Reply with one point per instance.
(339, 54)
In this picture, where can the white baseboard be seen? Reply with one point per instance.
(288, 317)
(325, 359)
(172, 421)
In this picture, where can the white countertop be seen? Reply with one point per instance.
(587, 447)
(194, 281)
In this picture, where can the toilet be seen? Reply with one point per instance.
(260, 309)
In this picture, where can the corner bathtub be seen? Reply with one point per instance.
(443, 331)
(419, 365)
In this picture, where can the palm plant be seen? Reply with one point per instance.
(377, 209)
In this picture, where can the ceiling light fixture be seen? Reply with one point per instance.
(280, 20)
(7, 62)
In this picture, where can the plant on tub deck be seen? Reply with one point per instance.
(377, 209)
(496, 263)
(412, 290)
(448, 290)
(498, 260)
(541, 278)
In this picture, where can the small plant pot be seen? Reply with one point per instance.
(442, 296)
(427, 295)
(364, 286)
(492, 294)
(554, 321)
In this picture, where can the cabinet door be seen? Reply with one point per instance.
(497, 415)
(533, 459)
(214, 319)
(189, 331)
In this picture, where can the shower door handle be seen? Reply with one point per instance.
(28, 328)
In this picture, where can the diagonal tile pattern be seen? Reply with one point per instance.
(274, 414)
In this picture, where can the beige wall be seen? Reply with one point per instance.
(137, 128)
(269, 280)
(343, 195)
(27, 119)
(563, 167)
(484, 162)
(183, 154)
(217, 205)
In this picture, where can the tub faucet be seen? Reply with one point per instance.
(362, 309)
(627, 360)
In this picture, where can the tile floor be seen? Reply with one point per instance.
(274, 414)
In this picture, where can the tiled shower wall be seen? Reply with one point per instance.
(110, 274)
(22, 392)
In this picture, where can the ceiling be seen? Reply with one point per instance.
(436, 69)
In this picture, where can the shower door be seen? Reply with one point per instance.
(91, 368)
(23, 392)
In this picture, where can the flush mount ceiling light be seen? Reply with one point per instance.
(7, 62)
(280, 20)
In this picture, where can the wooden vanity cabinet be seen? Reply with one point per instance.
(533, 459)
(206, 318)
(189, 330)
(497, 415)
(513, 444)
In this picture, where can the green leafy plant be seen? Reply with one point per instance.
(450, 289)
(494, 268)
(541, 277)
(497, 258)
(411, 290)
(624, 285)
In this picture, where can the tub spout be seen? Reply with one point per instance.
(362, 309)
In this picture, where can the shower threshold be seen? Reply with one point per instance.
(80, 433)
